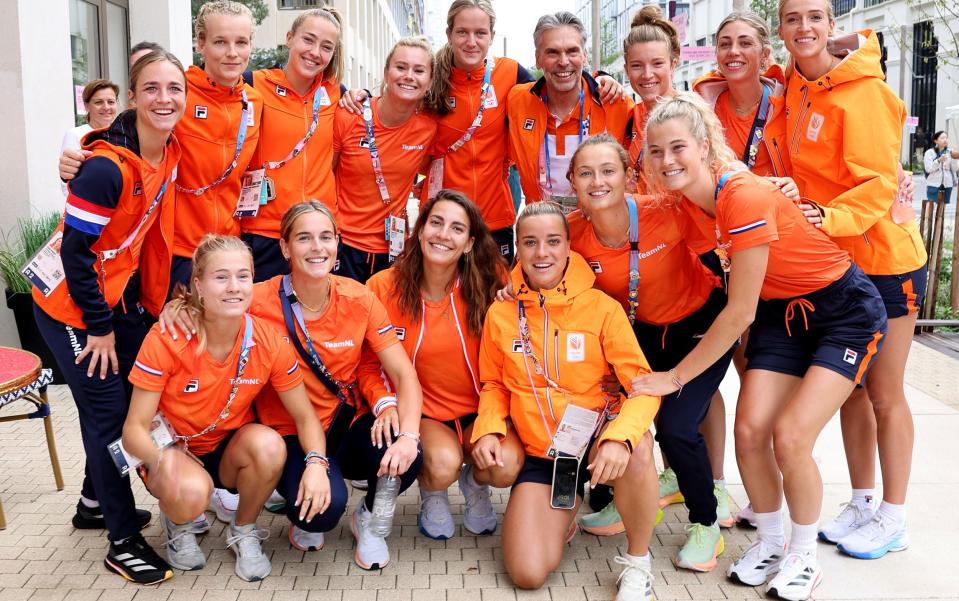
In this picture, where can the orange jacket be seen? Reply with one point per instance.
(113, 214)
(845, 158)
(478, 168)
(208, 132)
(771, 159)
(529, 121)
(578, 333)
(441, 347)
(286, 118)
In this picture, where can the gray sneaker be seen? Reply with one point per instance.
(479, 516)
(435, 520)
(251, 563)
(182, 550)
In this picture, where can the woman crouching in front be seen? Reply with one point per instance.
(542, 357)
(205, 386)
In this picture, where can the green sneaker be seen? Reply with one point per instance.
(723, 517)
(669, 488)
(607, 522)
(703, 545)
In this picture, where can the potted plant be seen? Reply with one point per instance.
(32, 233)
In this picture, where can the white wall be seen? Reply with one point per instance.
(166, 22)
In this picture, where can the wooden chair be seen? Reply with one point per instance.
(23, 378)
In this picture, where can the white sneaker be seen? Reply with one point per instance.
(746, 518)
(479, 516)
(635, 582)
(371, 550)
(306, 541)
(758, 563)
(875, 539)
(251, 563)
(851, 518)
(435, 520)
(798, 577)
(224, 504)
(276, 503)
(182, 550)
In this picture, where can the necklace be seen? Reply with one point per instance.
(323, 301)
(746, 110)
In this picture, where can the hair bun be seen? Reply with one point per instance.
(649, 14)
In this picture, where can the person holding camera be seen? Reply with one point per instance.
(941, 164)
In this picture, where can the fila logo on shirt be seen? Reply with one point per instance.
(850, 356)
(400, 333)
(528, 124)
(138, 188)
(517, 345)
(200, 111)
(192, 386)
(280, 91)
(596, 266)
(816, 122)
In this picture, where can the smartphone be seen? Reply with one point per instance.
(563, 491)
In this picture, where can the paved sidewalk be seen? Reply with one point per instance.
(43, 558)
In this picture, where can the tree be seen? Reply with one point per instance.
(769, 11)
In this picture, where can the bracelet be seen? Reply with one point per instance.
(316, 457)
(413, 435)
(383, 404)
(676, 381)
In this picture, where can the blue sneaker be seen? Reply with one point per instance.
(875, 539)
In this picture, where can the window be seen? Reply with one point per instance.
(301, 4)
(868, 3)
(99, 45)
(841, 7)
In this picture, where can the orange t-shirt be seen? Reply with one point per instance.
(666, 265)
(737, 132)
(354, 320)
(401, 149)
(286, 118)
(207, 134)
(441, 347)
(195, 388)
(751, 211)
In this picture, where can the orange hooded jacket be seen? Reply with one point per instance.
(529, 118)
(577, 333)
(843, 132)
(771, 158)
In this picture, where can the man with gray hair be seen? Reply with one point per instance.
(549, 118)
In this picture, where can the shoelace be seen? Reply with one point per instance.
(632, 571)
(478, 498)
(697, 532)
(436, 506)
(181, 532)
(851, 512)
(248, 543)
(875, 528)
(755, 551)
(137, 545)
(665, 477)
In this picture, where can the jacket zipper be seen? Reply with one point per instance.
(781, 170)
(556, 351)
(799, 119)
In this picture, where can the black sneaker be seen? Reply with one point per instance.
(91, 518)
(136, 561)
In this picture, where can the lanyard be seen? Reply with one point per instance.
(633, 258)
(290, 293)
(240, 137)
(109, 254)
(374, 154)
(721, 251)
(317, 95)
(583, 133)
(240, 367)
(484, 95)
(756, 132)
(529, 356)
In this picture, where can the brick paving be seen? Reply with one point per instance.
(43, 558)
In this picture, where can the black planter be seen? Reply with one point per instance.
(30, 339)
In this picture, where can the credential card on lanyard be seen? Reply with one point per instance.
(436, 179)
(162, 434)
(45, 269)
(252, 190)
(575, 430)
(396, 235)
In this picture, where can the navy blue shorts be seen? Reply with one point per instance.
(211, 461)
(268, 259)
(540, 471)
(359, 265)
(840, 327)
(458, 424)
(902, 294)
(503, 238)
